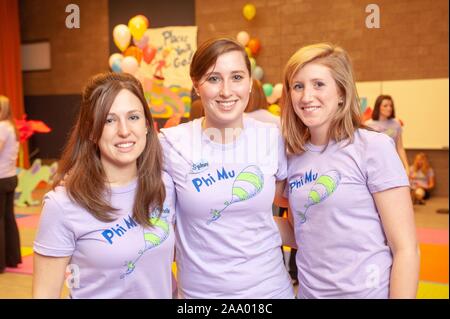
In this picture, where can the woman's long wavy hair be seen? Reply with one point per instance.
(80, 165)
(347, 118)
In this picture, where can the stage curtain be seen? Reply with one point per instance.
(10, 67)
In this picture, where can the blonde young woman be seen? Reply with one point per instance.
(347, 189)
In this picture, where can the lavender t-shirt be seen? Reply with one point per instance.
(342, 248)
(228, 245)
(389, 127)
(120, 259)
(8, 153)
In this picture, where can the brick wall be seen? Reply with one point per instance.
(412, 42)
(76, 54)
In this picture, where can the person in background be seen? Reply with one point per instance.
(257, 106)
(384, 121)
(347, 189)
(421, 176)
(225, 168)
(111, 224)
(9, 146)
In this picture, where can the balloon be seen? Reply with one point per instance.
(149, 53)
(249, 11)
(134, 51)
(277, 90)
(114, 57)
(147, 24)
(254, 45)
(258, 73)
(323, 187)
(274, 109)
(272, 99)
(252, 63)
(243, 37)
(142, 43)
(137, 26)
(248, 51)
(121, 36)
(117, 66)
(129, 65)
(248, 183)
(268, 89)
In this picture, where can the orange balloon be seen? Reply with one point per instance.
(254, 45)
(134, 52)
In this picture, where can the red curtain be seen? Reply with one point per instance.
(10, 66)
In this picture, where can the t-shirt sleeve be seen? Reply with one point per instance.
(3, 132)
(170, 199)
(55, 237)
(384, 168)
(282, 160)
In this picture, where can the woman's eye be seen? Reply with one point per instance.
(134, 117)
(213, 79)
(297, 86)
(109, 120)
(238, 77)
(319, 84)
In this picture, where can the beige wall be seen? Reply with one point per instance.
(412, 42)
(76, 54)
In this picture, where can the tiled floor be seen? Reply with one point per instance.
(432, 230)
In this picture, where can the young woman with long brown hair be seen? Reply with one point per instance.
(111, 222)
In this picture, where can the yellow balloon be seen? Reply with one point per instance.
(249, 11)
(121, 36)
(274, 109)
(137, 26)
(249, 52)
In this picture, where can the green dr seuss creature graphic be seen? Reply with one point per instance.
(153, 237)
(248, 183)
(324, 186)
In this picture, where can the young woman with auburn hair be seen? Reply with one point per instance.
(225, 168)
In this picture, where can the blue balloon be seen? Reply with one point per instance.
(116, 66)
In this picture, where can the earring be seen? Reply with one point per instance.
(341, 102)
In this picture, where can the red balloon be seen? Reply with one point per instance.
(149, 53)
(135, 52)
(254, 45)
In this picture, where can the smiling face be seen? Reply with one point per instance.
(124, 134)
(224, 90)
(386, 109)
(315, 97)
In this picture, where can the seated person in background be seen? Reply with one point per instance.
(421, 176)
(257, 106)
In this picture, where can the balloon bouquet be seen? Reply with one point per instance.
(253, 48)
(137, 55)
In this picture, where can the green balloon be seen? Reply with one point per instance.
(268, 89)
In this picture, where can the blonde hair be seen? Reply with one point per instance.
(347, 118)
(425, 164)
(6, 113)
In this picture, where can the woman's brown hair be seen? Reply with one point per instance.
(208, 52)
(347, 118)
(376, 108)
(85, 180)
